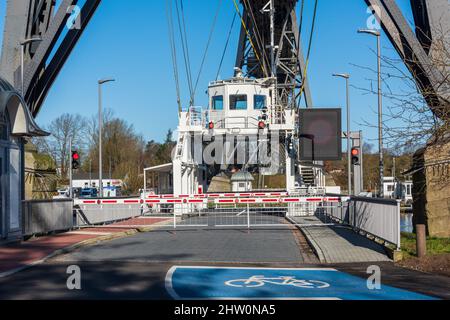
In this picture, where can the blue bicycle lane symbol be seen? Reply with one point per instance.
(202, 282)
(259, 281)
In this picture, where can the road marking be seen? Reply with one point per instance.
(244, 283)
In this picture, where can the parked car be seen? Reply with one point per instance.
(366, 194)
(62, 194)
(65, 194)
(89, 193)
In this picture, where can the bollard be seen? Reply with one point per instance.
(421, 234)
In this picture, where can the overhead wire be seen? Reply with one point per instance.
(173, 51)
(302, 9)
(249, 37)
(311, 37)
(258, 38)
(299, 43)
(183, 36)
(226, 46)
(206, 50)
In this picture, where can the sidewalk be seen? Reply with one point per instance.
(338, 244)
(18, 256)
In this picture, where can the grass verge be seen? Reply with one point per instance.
(435, 246)
(437, 260)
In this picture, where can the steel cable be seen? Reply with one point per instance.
(226, 46)
(249, 37)
(173, 51)
(311, 37)
(183, 35)
(206, 50)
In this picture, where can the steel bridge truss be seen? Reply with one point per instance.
(59, 30)
(254, 50)
(425, 51)
(419, 50)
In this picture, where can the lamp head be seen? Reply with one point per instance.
(370, 31)
(30, 40)
(102, 81)
(342, 75)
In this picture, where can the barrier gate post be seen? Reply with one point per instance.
(174, 219)
(248, 216)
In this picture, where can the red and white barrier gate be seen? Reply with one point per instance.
(211, 199)
(224, 211)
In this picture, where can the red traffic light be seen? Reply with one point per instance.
(211, 125)
(355, 152)
(356, 161)
(75, 160)
(261, 125)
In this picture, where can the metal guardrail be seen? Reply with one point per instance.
(39, 217)
(377, 217)
(45, 216)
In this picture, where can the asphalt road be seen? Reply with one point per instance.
(211, 245)
(146, 280)
(137, 267)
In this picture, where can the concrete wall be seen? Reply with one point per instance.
(438, 190)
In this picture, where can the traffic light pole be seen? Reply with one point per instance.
(349, 154)
(70, 170)
(358, 177)
(356, 138)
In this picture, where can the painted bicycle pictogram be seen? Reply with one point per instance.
(259, 281)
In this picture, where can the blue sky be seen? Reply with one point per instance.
(128, 40)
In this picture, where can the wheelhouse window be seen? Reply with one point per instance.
(217, 103)
(260, 102)
(238, 102)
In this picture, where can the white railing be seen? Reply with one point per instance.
(198, 117)
(377, 217)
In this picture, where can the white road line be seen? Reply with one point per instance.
(250, 268)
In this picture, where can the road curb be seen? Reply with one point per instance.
(314, 245)
(318, 251)
(153, 226)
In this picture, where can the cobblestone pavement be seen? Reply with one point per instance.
(338, 244)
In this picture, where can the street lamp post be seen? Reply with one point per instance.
(349, 152)
(22, 62)
(100, 131)
(380, 106)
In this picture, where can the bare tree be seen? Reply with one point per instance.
(409, 122)
(92, 126)
(63, 129)
(123, 151)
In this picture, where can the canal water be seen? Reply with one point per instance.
(406, 222)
